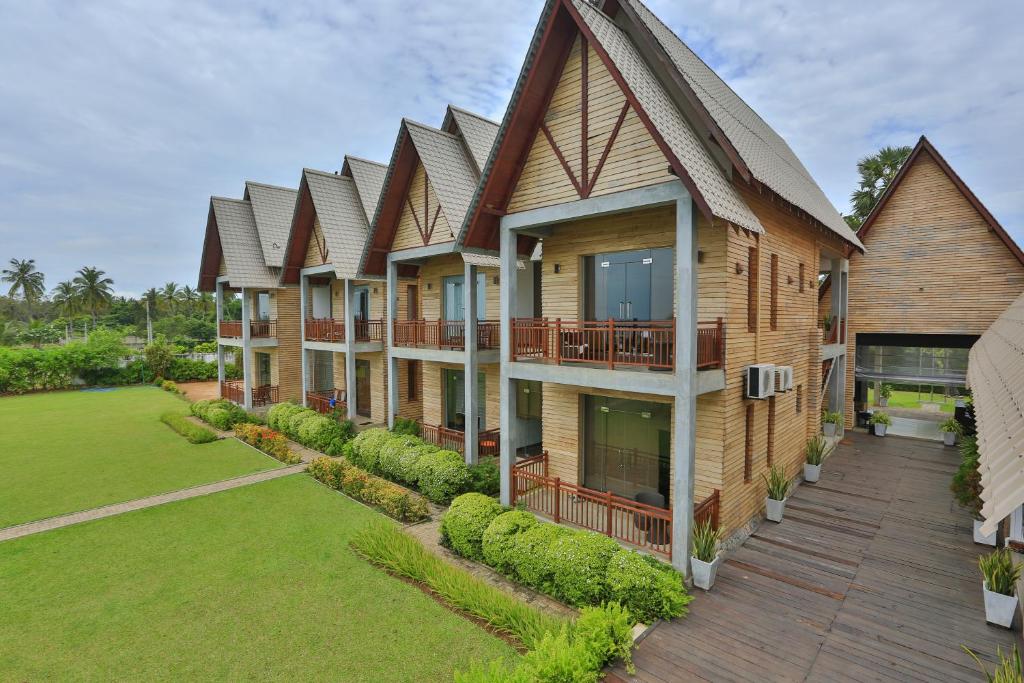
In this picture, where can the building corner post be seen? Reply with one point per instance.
(303, 307)
(349, 295)
(246, 350)
(471, 442)
(392, 362)
(507, 423)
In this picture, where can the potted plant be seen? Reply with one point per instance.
(966, 488)
(1000, 574)
(880, 421)
(815, 453)
(883, 395)
(705, 558)
(830, 422)
(951, 431)
(778, 490)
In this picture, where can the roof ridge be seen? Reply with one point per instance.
(229, 199)
(431, 129)
(364, 159)
(474, 114)
(270, 185)
(330, 174)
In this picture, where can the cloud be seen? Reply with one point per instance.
(121, 118)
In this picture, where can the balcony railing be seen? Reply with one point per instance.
(332, 330)
(835, 334)
(234, 390)
(614, 343)
(264, 396)
(444, 334)
(320, 401)
(488, 442)
(257, 328)
(644, 526)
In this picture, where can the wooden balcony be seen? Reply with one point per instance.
(320, 401)
(266, 329)
(333, 330)
(644, 526)
(488, 442)
(613, 343)
(234, 390)
(444, 334)
(264, 396)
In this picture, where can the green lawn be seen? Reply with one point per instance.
(255, 583)
(910, 399)
(67, 451)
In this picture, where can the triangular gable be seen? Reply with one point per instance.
(369, 179)
(317, 251)
(422, 221)
(477, 132)
(272, 208)
(232, 238)
(923, 152)
(211, 263)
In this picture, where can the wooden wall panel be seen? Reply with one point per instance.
(433, 394)
(285, 306)
(431, 286)
(423, 211)
(317, 253)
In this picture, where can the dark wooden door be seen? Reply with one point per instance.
(363, 387)
(413, 300)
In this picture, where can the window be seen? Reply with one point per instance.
(528, 400)
(774, 302)
(752, 289)
(802, 277)
(748, 453)
(771, 430)
(412, 293)
(413, 382)
(799, 398)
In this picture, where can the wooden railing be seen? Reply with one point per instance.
(444, 334)
(836, 333)
(265, 395)
(257, 328)
(320, 401)
(488, 442)
(325, 330)
(649, 344)
(369, 330)
(233, 390)
(645, 526)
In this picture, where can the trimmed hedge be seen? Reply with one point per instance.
(577, 567)
(267, 440)
(392, 499)
(222, 413)
(193, 432)
(310, 428)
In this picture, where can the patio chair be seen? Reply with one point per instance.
(657, 534)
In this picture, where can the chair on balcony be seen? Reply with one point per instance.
(657, 534)
(338, 397)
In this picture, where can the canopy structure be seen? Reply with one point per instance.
(995, 374)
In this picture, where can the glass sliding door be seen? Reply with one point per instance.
(361, 313)
(626, 447)
(455, 399)
(262, 369)
(321, 297)
(363, 387)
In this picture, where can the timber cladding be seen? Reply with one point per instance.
(932, 266)
(288, 364)
(591, 142)
(431, 287)
(433, 406)
(421, 222)
(317, 253)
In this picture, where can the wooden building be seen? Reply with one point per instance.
(242, 255)
(342, 363)
(680, 241)
(938, 270)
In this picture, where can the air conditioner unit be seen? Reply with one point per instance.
(760, 380)
(783, 378)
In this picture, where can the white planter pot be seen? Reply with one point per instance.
(880, 429)
(704, 572)
(982, 539)
(811, 472)
(999, 608)
(774, 509)
(949, 438)
(883, 402)
(828, 429)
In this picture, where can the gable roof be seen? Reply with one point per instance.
(272, 208)
(924, 146)
(450, 170)
(231, 234)
(369, 178)
(478, 133)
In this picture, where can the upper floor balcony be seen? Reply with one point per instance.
(332, 330)
(258, 329)
(444, 334)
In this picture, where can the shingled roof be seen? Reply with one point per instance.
(231, 233)
(272, 207)
(342, 217)
(369, 178)
(477, 131)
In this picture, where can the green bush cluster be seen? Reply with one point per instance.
(310, 428)
(966, 484)
(438, 474)
(193, 432)
(392, 499)
(267, 440)
(168, 385)
(577, 567)
(222, 414)
(407, 426)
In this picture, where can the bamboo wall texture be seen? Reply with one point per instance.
(433, 392)
(431, 286)
(408, 235)
(285, 307)
(931, 266)
(317, 252)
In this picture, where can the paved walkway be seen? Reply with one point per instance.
(872, 575)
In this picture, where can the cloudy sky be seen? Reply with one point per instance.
(118, 120)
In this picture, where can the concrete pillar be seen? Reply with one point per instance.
(303, 303)
(392, 313)
(220, 366)
(507, 310)
(471, 365)
(835, 400)
(246, 350)
(684, 409)
(350, 341)
(219, 303)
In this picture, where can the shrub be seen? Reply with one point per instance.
(392, 499)
(463, 526)
(391, 462)
(168, 385)
(219, 418)
(529, 555)
(294, 424)
(560, 657)
(279, 414)
(228, 416)
(499, 538)
(880, 418)
(193, 432)
(705, 541)
(1000, 571)
(776, 483)
(647, 588)
(366, 447)
(441, 475)
(814, 450)
(406, 426)
(579, 564)
(608, 633)
(951, 425)
(485, 478)
(966, 484)
(408, 459)
(267, 440)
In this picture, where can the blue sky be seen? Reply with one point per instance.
(118, 120)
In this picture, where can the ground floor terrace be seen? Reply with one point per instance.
(872, 575)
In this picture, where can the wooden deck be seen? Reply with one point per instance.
(872, 575)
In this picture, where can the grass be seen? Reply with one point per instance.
(256, 583)
(67, 451)
(911, 399)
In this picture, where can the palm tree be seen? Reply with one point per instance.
(23, 276)
(94, 290)
(171, 295)
(205, 302)
(876, 172)
(66, 298)
(189, 296)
